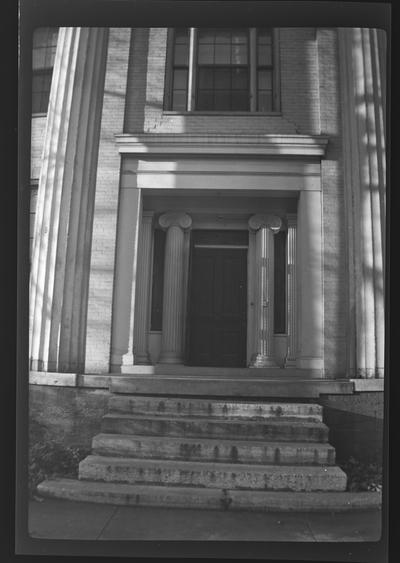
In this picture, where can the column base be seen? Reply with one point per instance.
(310, 363)
(142, 359)
(170, 358)
(290, 363)
(261, 361)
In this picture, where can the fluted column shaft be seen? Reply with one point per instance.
(61, 251)
(362, 64)
(172, 343)
(290, 360)
(265, 227)
(141, 326)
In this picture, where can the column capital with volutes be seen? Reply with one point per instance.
(269, 221)
(175, 218)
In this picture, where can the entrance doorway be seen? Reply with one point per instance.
(218, 299)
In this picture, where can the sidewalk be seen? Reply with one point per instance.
(66, 520)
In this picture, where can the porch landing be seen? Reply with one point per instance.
(219, 382)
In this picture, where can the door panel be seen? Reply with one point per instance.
(218, 307)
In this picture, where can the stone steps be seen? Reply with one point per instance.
(268, 429)
(212, 475)
(176, 406)
(213, 450)
(209, 452)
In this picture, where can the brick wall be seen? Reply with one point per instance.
(299, 91)
(101, 283)
(38, 127)
(334, 235)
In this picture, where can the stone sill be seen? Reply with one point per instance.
(367, 385)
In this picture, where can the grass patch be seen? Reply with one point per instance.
(49, 458)
(362, 476)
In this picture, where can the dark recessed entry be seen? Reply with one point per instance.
(218, 298)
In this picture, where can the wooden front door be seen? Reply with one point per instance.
(217, 310)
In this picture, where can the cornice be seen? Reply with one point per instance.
(246, 145)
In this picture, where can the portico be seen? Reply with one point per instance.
(193, 193)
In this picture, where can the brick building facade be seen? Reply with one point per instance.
(210, 226)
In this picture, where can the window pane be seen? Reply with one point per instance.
(239, 78)
(205, 100)
(44, 47)
(239, 36)
(206, 54)
(179, 100)
(206, 35)
(265, 101)
(240, 100)
(180, 79)
(181, 35)
(223, 79)
(239, 54)
(158, 280)
(280, 282)
(41, 82)
(264, 36)
(222, 100)
(264, 80)
(206, 78)
(264, 55)
(222, 54)
(181, 55)
(223, 36)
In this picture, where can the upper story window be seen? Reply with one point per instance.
(222, 70)
(44, 50)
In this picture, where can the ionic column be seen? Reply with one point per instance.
(290, 360)
(172, 343)
(265, 227)
(141, 325)
(63, 223)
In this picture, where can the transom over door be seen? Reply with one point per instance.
(218, 307)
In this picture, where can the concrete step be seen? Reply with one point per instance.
(249, 385)
(194, 449)
(179, 406)
(123, 494)
(269, 429)
(212, 475)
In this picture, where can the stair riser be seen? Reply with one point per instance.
(204, 451)
(167, 406)
(213, 478)
(247, 387)
(262, 501)
(215, 429)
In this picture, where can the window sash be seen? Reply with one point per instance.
(260, 97)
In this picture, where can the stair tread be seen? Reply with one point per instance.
(216, 400)
(282, 420)
(201, 465)
(216, 441)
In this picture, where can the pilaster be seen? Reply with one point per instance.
(61, 252)
(362, 66)
(141, 325)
